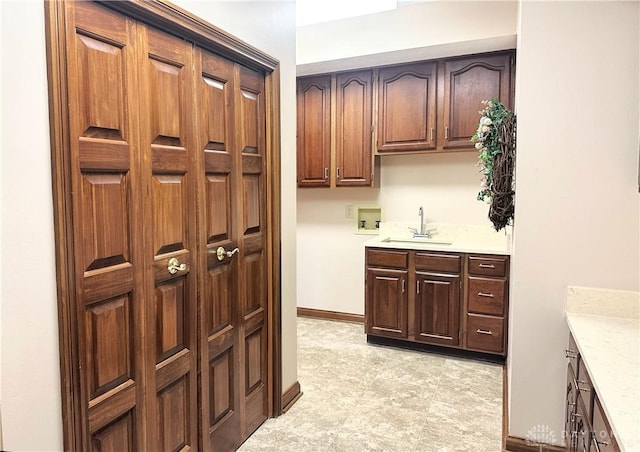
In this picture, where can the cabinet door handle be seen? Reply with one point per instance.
(431, 134)
(446, 133)
(418, 287)
(570, 354)
(481, 331)
(326, 173)
(482, 294)
(581, 382)
(487, 266)
(338, 173)
(403, 285)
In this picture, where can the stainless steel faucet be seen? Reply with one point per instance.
(423, 232)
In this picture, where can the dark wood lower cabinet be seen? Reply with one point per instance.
(586, 426)
(455, 300)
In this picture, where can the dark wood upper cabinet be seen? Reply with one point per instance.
(334, 130)
(353, 128)
(346, 119)
(466, 83)
(407, 107)
(314, 131)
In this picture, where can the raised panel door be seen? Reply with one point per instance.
(386, 302)
(407, 107)
(354, 129)
(468, 82)
(437, 308)
(314, 131)
(252, 234)
(169, 213)
(218, 182)
(105, 179)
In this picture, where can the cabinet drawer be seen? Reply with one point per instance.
(449, 263)
(488, 266)
(486, 296)
(485, 333)
(392, 259)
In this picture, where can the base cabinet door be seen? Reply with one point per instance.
(386, 310)
(437, 308)
(602, 439)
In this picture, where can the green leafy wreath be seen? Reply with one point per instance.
(495, 142)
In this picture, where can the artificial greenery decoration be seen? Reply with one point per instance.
(495, 142)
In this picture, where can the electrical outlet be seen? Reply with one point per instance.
(348, 211)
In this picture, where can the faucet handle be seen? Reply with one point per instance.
(414, 230)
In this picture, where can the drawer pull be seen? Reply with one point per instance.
(580, 382)
(481, 331)
(482, 294)
(570, 354)
(486, 266)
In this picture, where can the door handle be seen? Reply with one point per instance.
(222, 253)
(173, 266)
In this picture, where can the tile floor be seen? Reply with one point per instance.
(363, 397)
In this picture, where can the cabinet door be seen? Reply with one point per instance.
(386, 302)
(467, 82)
(407, 108)
(353, 128)
(437, 302)
(582, 427)
(314, 131)
(602, 439)
(570, 409)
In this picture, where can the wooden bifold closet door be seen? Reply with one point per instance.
(168, 305)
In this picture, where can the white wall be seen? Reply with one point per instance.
(330, 255)
(422, 25)
(577, 215)
(30, 391)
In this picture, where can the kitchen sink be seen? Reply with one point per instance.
(425, 240)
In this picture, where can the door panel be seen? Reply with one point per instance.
(314, 131)
(218, 181)
(437, 315)
(407, 107)
(100, 62)
(354, 125)
(250, 117)
(467, 82)
(169, 210)
(387, 310)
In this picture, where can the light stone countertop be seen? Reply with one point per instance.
(462, 238)
(610, 347)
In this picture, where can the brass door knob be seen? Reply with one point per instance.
(174, 266)
(222, 253)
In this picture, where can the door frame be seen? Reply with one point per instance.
(174, 20)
